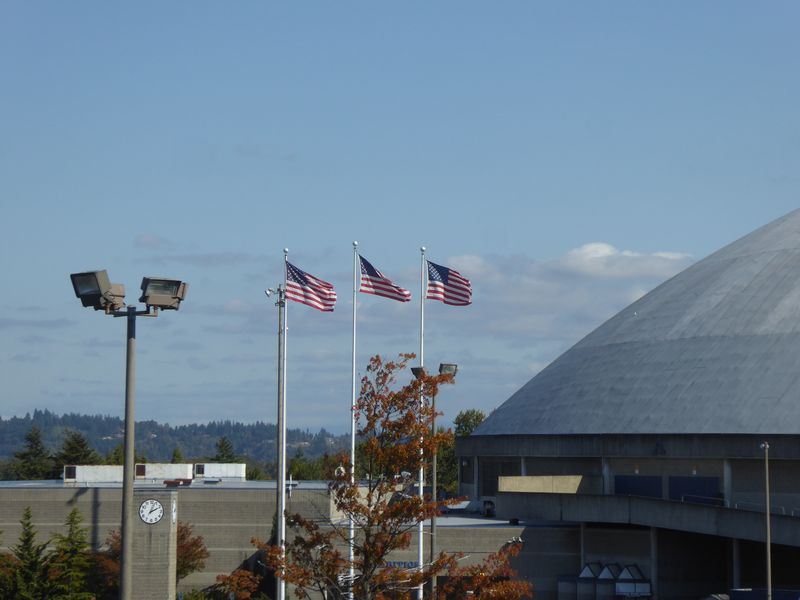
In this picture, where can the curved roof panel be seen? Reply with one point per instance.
(715, 349)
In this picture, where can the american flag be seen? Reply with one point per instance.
(307, 289)
(375, 282)
(448, 286)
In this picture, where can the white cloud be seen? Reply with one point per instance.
(604, 260)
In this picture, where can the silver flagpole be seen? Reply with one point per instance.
(356, 270)
(281, 484)
(421, 527)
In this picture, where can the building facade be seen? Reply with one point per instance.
(647, 437)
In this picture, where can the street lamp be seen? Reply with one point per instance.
(451, 370)
(444, 369)
(765, 448)
(95, 290)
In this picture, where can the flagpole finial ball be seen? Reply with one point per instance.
(355, 244)
(286, 251)
(422, 248)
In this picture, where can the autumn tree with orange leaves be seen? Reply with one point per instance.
(394, 428)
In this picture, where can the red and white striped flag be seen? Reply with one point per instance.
(307, 289)
(448, 286)
(375, 282)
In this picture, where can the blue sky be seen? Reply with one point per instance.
(566, 157)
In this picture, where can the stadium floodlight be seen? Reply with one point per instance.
(96, 291)
(448, 369)
(165, 294)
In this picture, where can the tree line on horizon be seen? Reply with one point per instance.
(31, 459)
(158, 441)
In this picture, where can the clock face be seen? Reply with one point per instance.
(151, 511)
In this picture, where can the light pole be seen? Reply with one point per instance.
(444, 369)
(765, 448)
(96, 291)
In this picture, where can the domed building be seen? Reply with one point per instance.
(645, 442)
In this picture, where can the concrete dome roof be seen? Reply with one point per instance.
(714, 350)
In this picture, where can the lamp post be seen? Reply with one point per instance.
(94, 290)
(765, 448)
(444, 369)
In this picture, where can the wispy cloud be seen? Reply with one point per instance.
(209, 259)
(149, 241)
(10, 323)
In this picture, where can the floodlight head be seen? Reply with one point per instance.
(96, 291)
(165, 294)
(418, 372)
(448, 369)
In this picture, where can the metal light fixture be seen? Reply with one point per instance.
(96, 291)
(165, 294)
(418, 372)
(448, 369)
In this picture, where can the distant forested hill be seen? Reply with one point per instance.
(156, 441)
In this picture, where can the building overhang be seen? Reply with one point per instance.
(648, 512)
(689, 446)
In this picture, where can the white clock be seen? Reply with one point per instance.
(151, 511)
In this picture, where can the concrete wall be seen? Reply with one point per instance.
(228, 518)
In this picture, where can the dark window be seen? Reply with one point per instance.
(141, 470)
(700, 490)
(199, 469)
(70, 472)
(638, 485)
(466, 469)
(491, 469)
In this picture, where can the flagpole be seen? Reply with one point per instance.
(281, 483)
(421, 526)
(356, 270)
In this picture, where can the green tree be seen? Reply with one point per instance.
(116, 456)
(34, 462)
(75, 450)
(447, 466)
(177, 456)
(70, 563)
(447, 469)
(467, 421)
(29, 579)
(301, 467)
(224, 451)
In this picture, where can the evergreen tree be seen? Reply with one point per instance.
(224, 451)
(116, 456)
(75, 450)
(70, 563)
(34, 462)
(29, 581)
(177, 456)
